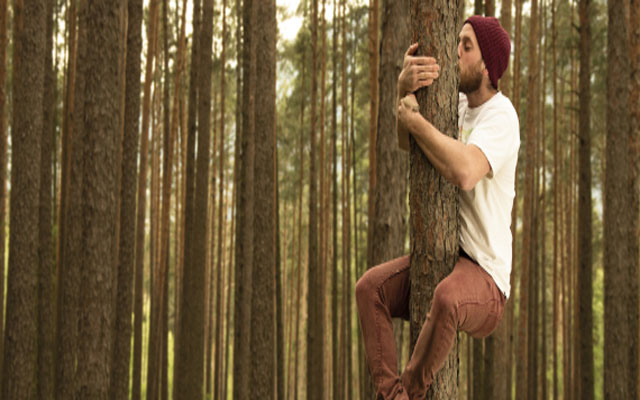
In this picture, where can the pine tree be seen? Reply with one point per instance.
(429, 265)
(20, 354)
(102, 128)
(46, 271)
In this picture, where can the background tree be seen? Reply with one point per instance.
(102, 127)
(20, 358)
(46, 275)
(262, 306)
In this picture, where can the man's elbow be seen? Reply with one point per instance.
(464, 180)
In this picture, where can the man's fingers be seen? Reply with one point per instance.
(423, 60)
(412, 49)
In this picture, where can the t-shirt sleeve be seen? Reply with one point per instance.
(497, 136)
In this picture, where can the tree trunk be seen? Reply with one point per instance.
(490, 8)
(522, 372)
(244, 226)
(434, 243)
(389, 218)
(142, 197)
(554, 350)
(315, 331)
(263, 343)
(497, 345)
(334, 208)
(20, 358)
(634, 149)
(620, 255)
(69, 276)
(102, 128)
(219, 292)
(517, 51)
(3, 165)
(187, 224)
(190, 356)
(122, 344)
(374, 101)
(46, 272)
(585, 286)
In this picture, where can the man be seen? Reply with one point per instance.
(482, 164)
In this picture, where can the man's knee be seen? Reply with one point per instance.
(445, 300)
(365, 289)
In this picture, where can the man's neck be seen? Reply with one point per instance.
(480, 96)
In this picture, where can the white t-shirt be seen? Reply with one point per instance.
(485, 210)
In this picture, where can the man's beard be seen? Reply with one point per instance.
(470, 79)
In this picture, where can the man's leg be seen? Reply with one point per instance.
(382, 293)
(468, 299)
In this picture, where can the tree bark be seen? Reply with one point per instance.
(20, 358)
(122, 343)
(315, 331)
(244, 225)
(433, 201)
(634, 149)
(389, 219)
(46, 272)
(189, 179)
(263, 368)
(190, 355)
(585, 286)
(102, 124)
(69, 276)
(219, 292)
(620, 255)
(522, 372)
(3, 165)
(142, 197)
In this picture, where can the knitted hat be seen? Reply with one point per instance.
(494, 43)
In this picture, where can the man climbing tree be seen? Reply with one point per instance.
(482, 164)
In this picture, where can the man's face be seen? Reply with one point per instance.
(470, 63)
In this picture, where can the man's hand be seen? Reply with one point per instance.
(416, 72)
(408, 110)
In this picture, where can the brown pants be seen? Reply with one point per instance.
(468, 299)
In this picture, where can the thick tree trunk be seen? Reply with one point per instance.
(20, 358)
(620, 255)
(263, 343)
(102, 128)
(434, 212)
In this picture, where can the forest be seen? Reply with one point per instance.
(190, 190)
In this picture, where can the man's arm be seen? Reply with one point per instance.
(461, 164)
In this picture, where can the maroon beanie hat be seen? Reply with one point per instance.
(494, 43)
